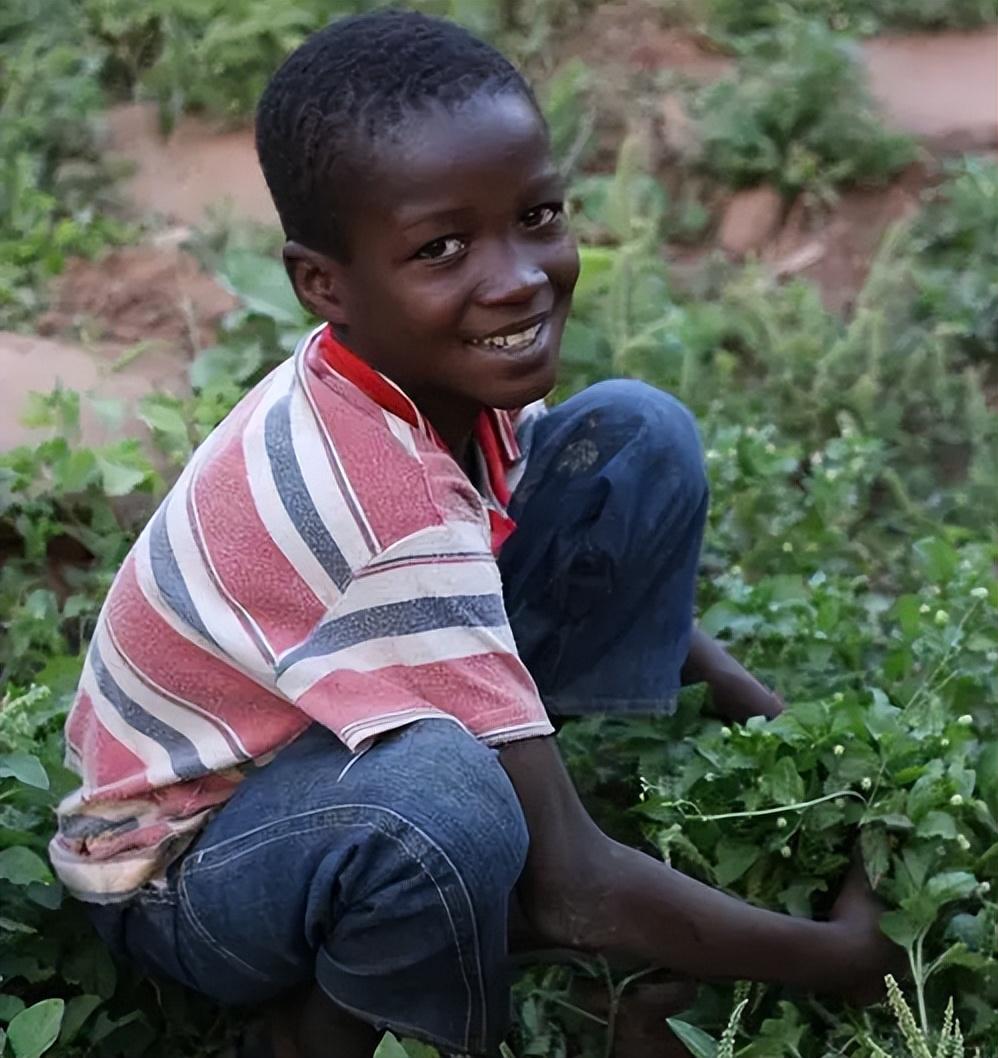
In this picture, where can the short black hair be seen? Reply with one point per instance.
(350, 84)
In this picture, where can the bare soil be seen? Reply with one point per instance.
(144, 293)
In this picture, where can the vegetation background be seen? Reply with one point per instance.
(721, 160)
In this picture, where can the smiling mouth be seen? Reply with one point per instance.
(510, 343)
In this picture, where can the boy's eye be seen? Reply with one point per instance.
(441, 249)
(542, 216)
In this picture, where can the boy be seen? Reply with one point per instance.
(315, 757)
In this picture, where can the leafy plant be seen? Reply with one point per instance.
(796, 114)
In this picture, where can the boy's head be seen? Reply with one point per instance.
(411, 169)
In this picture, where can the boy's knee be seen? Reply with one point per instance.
(457, 797)
(662, 429)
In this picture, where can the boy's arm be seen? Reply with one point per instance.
(736, 693)
(581, 889)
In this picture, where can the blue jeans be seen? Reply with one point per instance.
(386, 877)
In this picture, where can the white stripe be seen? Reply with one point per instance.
(317, 475)
(535, 729)
(402, 431)
(187, 718)
(212, 607)
(323, 485)
(270, 507)
(453, 537)
(357, 737)
(421, 648)
(151, 593)
(429, 580)
(154, 757)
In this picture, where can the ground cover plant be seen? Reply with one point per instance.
(850, 560)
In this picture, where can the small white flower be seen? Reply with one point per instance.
(963, 842)
(725, 732)
(991, 656)
(933, 589)
(785, 852)
(941, 618)
(966, 720)
(831, 473)
(770, 449)
(787, 546)
(781, 823)
(924, 608)
(979, 593)
(736, 571)
(956, 800)
(709, 777)
(839, 803)
(712, 454)
(817, 458)
(838, 696)
(866, 783)
(984, 888)
(839, 750)
(944, 743)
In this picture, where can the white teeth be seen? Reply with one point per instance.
(510, 341)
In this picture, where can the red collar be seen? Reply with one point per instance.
(494, 432)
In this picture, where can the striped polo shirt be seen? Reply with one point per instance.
(322, 558)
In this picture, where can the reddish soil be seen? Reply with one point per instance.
(139, 294)
(835, 248)
(195, 168)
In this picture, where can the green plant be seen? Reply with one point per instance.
(797, 114)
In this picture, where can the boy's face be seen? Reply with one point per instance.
(462, 264)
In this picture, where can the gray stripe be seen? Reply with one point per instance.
(398, 619)
(294, 495)
(183, 754)
(167, 575)
(85, 827)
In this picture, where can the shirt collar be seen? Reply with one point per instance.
(494, 432)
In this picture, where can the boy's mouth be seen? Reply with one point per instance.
(512, 342)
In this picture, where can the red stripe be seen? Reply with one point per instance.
(260, 719)
(249, 565)
(484, 692)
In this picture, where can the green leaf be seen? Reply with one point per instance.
(987, 776)
(119, 479)
(78, 1009)
(951, 885)
(876, 853)
(389, 1047)
(21, 866)
(784, 783)
(900, 928)
(25, 768)
(693, 1038)
(10, 1007)
(261, 283)
(733, 859)
(937, 824)
(34, 1030)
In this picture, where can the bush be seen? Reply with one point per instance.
(797, 114)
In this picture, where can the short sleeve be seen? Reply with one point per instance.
(421, 631)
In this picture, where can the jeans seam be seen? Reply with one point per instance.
(193, 867)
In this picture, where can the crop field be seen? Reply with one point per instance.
(848, 403)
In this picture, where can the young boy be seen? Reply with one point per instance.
(314, 753)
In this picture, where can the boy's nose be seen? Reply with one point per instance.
(515, 282)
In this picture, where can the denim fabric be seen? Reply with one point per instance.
(386, 876)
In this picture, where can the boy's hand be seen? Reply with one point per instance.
(735, 692)
(867, 955)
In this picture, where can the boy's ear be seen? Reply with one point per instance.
(318, 281)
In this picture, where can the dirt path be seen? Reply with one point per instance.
(942, 88)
